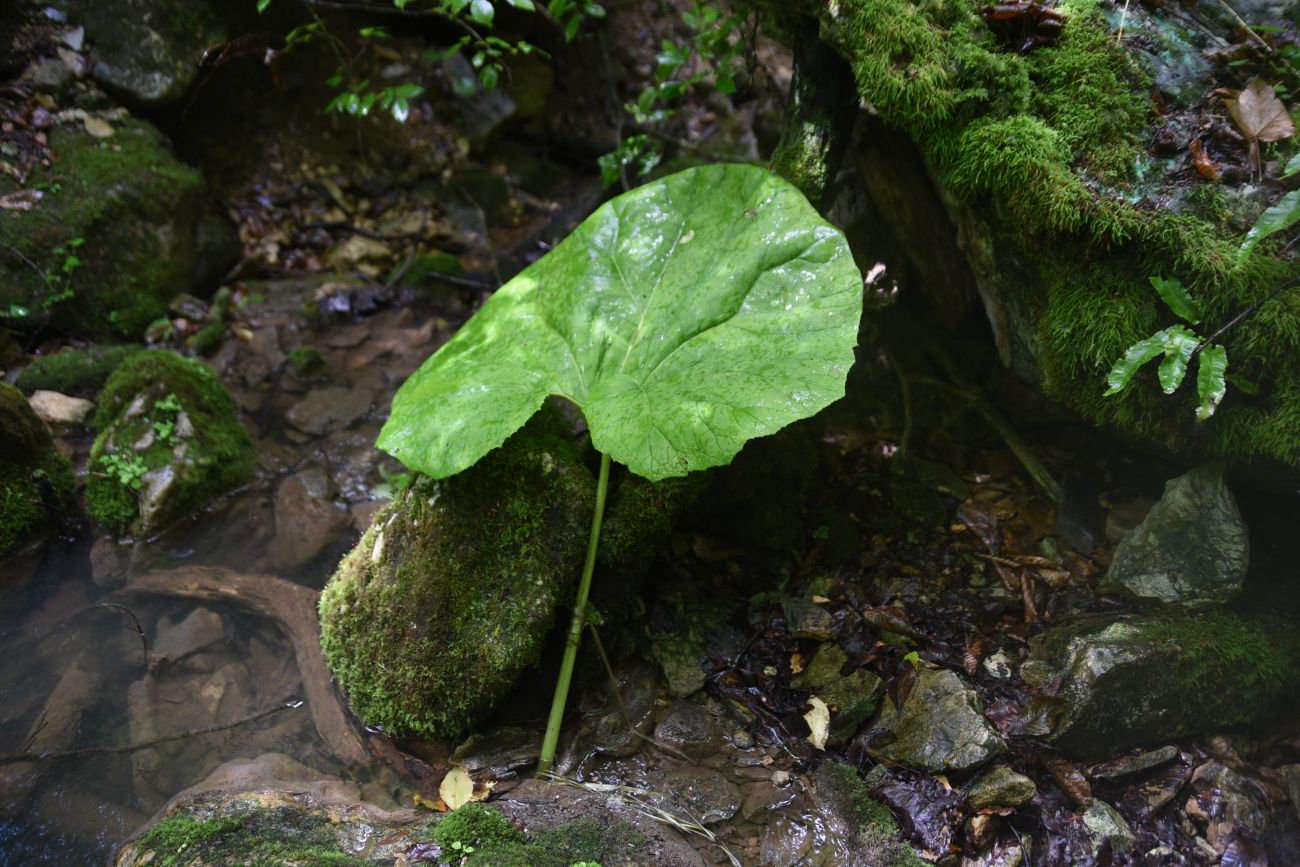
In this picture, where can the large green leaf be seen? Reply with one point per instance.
(684, 318)
(1281, 216)
(1123, 371)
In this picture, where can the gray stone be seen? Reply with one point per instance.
(851, 697)
(1191, 550)
(59, 411)
(149, 50)
(1126, 765)
(1110, 686)
(307, 518)
(940, 727)
(1001, 787)
(50, 76)
(498, 753)
(1106, 825)
(699, 794)
(328, 409)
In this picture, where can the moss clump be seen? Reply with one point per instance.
(36, 481)
(135, 209)
(589, 841)
(842, 794)
(253, 839)
(170, 419)
(450, 594)
(1260, 657)
(74, 371)
(477, 827)
(306, 360)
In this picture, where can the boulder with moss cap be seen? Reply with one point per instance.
(168, 445)
(36, 481)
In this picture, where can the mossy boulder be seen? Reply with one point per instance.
(1144, 680)
(36, 481)
(449, 596)
(75, 371)
(149, 51)
(122, 226)
(1040, 159)
(168, 444)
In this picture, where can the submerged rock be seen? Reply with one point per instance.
(1191, 550)
(1109, 686)
(450, 594)
(131, 215)
(940, 727)
(168, 444)
(36, 481)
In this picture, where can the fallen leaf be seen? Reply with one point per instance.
(98, 127)
(1069, 778)
(819, 721)
(459, 788)
(1260, 115)
(1201, 161)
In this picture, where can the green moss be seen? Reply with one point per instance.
(36, 482)
(134, 206)
(839, 786)
(306, 360)
(254, 839)
(583, 841)
(477, 826)
(1260, 657)
(212, 457)
(449, 595)
(208, 339)
(74, 371)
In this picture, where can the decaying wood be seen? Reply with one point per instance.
(290, 605)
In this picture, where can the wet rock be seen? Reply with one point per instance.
(615, 729)
(848, 827)
(51, 75)
(1226, 803)
(687, 625)
(1001, 787)
(940, 727)
(807, 619)
(498, 754)
(764, 797)
(328, 409)
(1126, 765)
(699, 794)
(1191, 550)
(1107, 827)
(307, 518)
(131, 211)
(168, 444)
(36, 481)
(851, 697)
(1292, 775)
(688, 728)
(149, 51)
(59, 411)
(1109, 686)
(450, 594)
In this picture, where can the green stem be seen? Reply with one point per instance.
(571, 644)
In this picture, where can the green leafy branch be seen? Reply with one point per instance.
(127, 467)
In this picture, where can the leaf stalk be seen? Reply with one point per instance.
(574, 639)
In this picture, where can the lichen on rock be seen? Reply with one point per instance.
(168, 444)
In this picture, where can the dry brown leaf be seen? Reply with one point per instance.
(1260, 115)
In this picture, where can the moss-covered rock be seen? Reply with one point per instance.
(1063, 214)
(131, 215)
(450, 594)
(168, 444)
(75, 371)
(1144, 680)
(36, 481)
(864, 828)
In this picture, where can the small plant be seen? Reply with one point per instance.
(683, 319)
(165, 428)
(59, 282)
(459, 849)
(127, 467)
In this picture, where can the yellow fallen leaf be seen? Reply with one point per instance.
(819, 721)
(98, 127)
(459, 788)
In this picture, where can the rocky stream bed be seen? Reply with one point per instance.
(946, 620)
